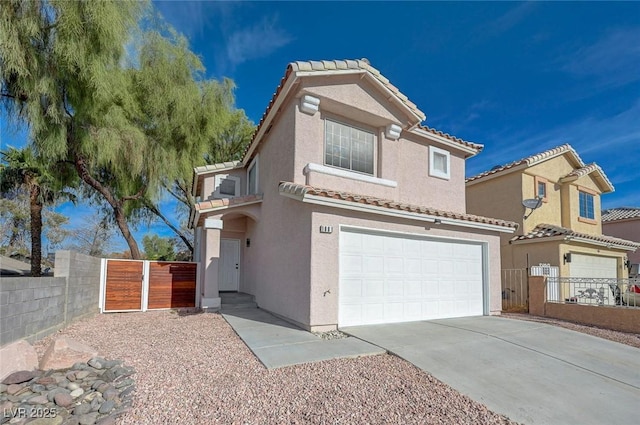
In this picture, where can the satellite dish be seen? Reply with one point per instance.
(531, 204)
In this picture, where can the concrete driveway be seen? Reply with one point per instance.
(531, 372)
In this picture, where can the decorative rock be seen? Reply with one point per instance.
(14, 389)
(73, 420)
(3, 388)
(97, 384)
(19, 377)
(108, 376)
(53, 392)
(82, 374)
(64, 352)
(96, 403)
(88, 419)
(77, 392)
(82, 409)
(37, 388)
(127, 391)
(107, 420)
(104, 387)
(111, 363)
(46, 380)
(39, 399)
(110, 394)
(124, 383)
(17, 356)
(56, 420)
(72, 386)
(63, 399)
(97, 363)
(107, 406)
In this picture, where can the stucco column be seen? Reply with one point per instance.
(211, 263)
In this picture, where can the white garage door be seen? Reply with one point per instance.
(386, 278)
(593, 266)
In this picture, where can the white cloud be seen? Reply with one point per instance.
(614, 60)
(257, 41)
(509, 19)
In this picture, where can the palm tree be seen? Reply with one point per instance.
(22, 169)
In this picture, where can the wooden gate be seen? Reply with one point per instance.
(129, 285)
(172, 285)
(123, 287)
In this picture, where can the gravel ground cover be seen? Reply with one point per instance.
(193, 369)
(621, 337)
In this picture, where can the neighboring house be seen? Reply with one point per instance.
(623, 222)
(566, 229)
(345, 210)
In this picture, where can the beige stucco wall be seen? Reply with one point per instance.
(208, 183)
(355, 102)
(625, 229)
(325, 253)
(500, 197)
(524, 255)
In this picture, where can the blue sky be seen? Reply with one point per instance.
(517, 77)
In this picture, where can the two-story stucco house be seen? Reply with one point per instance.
(565, 230)
(345, 210)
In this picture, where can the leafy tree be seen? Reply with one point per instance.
(14, 222)
(21, 169)
(128, 119)
(157, 248)
(93, 236)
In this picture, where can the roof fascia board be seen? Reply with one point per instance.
(420, 132)
(272, 113)
(373, 209)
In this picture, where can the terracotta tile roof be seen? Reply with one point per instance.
(348, 65)
(621, 213)
(586, 170)
(217, 167)
(302, 190)
(227, 202)
(542, 231)
(472, 145)
(530, 160)
(358, 64)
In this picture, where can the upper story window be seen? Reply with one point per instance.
(586, 205)
(348, 147)
(226, 186)
(439, 163)
(252, 177)
(541, 188)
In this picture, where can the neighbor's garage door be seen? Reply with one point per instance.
(593, 266)
(386, 278)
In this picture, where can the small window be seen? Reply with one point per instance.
(542, 190)
(348, 147)
(439, 163)
(226, 186)
(586, 205)
(252, 177)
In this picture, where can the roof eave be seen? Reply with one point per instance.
(303, 196)
(450, 143)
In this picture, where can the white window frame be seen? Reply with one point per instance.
(218, 180)
(375, 141)
(255, 163)
(432, 169)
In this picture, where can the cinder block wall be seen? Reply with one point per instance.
(32, 308)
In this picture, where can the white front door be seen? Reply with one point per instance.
(229, 271)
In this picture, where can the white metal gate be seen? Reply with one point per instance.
(552, 273)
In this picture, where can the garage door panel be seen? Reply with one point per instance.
(373, 264)
(413, 288)
(351, 264)
(388, 278)
(374, 288)
(593, 266)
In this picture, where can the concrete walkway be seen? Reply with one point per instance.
(277, 343)
(531, 372)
